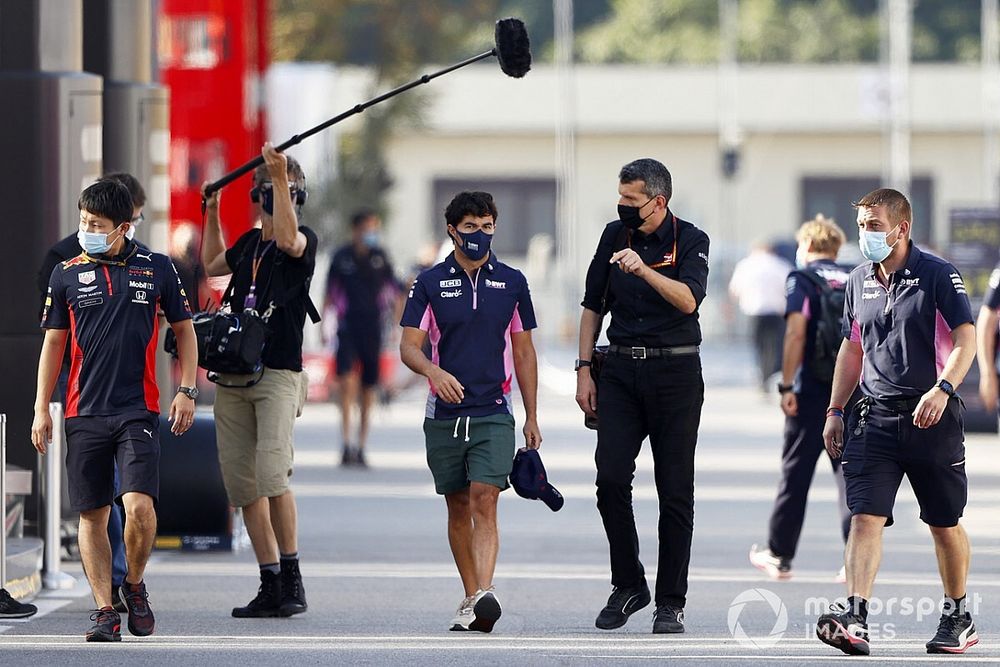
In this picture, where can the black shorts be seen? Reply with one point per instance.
(94, 444)
(362, 348)
(884, 445)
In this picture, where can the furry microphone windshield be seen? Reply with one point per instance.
(513, 49)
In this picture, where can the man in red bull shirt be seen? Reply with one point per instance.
(105, 302)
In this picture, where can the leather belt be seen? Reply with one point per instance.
(903, 406)
(651, 352)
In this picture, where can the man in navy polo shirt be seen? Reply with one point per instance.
(478, 315)
(910, 340)
(106, 302)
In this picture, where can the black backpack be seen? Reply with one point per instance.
(829, 317)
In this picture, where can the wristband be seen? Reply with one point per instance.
(834, 411)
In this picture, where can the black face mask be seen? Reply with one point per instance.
(629, 215)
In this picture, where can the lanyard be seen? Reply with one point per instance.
(250, 302)
(668, 260)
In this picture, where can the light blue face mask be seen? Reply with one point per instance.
(873, 245)
(370, 239)
(95, 243)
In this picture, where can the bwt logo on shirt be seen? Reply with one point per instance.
(496, 284)
(457, 282)
(909, 282)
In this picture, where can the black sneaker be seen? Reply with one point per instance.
(668, 619)
(293, 594)
(359, 458)
(347, 456)
(107, 626)
(140, 616)
(116, 600)
(623, 603)
(842, 628)
(11, 608)
(267, 604)
(486, 611)
(955, 634)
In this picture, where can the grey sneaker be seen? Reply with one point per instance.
(464, 616)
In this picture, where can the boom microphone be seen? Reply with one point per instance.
(512, 50)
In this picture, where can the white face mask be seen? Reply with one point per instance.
(874, 246)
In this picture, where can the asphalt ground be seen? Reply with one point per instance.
(382, 587)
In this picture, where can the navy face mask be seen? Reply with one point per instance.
(475, 244)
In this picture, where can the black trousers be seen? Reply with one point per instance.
(768, 339)
(803, 446)
(661, 399)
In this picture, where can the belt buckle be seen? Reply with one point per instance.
(637, 351)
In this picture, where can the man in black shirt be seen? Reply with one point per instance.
(271, 268)
(650, 271)
(363, 289)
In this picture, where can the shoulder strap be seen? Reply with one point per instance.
(232, 278)
(816, 280)
(285, 295)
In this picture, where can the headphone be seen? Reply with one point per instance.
(300, 196)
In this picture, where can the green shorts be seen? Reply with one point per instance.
(469, 449)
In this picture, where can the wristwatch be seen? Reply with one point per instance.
(785, 388)
(946, 387)
(581, 363)
(190, 392)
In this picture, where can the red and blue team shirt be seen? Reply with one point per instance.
(803, 296)
(110, 308)
(905, 329)
(469, 320)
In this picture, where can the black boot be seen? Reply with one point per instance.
(293, 594)
(268, 601)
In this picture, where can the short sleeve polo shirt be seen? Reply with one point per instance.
(469, 321)
(905, 329)
(111, 310)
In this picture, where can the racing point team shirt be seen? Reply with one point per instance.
(110, 308)
(905, 329)
(469, 321)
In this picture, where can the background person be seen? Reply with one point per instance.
(987, 328)
(811, 321)
(363, 290)
(758, 285)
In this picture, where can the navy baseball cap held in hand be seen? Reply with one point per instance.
(529, 480)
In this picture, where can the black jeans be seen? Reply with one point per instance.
(803, 446)
(660, 398)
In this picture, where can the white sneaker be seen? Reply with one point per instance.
(841, 577)
(486, 611)
(464, 615)
(771, 565)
